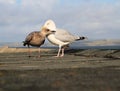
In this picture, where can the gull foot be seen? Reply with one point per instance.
(56, 56)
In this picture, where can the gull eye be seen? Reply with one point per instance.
(47, 30)
(47, 23)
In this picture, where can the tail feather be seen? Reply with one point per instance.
(24, 43)
(80, 38)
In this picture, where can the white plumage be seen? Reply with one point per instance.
(61, 37)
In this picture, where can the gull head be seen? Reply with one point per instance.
(45, 31)
(50, 24)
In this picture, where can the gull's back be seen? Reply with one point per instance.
(65, 36)
(34, 39)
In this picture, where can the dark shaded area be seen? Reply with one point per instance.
(88, 70)
(78, 79)
(105, 53)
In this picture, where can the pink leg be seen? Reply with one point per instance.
(39, 52)
(58, 55)
(29, 52)
(62, 52)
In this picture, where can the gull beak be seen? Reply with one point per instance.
(53, 31)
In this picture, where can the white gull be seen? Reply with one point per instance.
(61, 37)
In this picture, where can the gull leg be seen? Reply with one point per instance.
(58, 55)
(62, 52)
(39, 53)
(29, 52)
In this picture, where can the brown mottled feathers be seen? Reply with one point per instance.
(34, 39)
(37, 38)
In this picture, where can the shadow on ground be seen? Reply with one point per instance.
(79, 70)
(84, 79)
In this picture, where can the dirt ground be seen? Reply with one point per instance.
(78, 70)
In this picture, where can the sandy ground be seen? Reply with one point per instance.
(78, 70)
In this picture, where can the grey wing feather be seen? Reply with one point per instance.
(29, 37)
(64, 35)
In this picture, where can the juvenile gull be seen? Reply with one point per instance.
(36, 38)
(61, 37)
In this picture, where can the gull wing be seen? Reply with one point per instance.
(30, 36)
(64, 36)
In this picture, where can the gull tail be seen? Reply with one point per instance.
(24, 43)
(80, 38)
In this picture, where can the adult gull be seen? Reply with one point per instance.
(61, 37)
